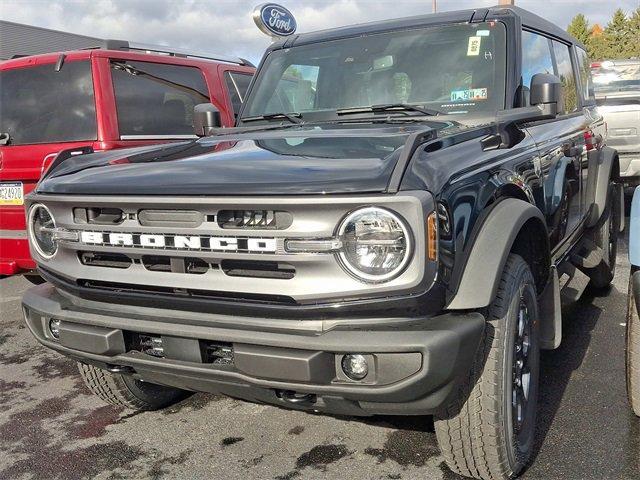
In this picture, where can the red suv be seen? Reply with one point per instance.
(97, 99)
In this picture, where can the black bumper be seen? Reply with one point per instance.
(415, 363)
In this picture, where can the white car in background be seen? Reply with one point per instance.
(617, 89)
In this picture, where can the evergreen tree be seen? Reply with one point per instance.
(579, 28)
(634, 28)
(618, 36)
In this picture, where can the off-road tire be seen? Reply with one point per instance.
(125, 391)
(605, 235)
(475, 432)
(633, 352)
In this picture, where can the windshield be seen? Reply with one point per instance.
(616, 76)
(452, 69)
(40, 105)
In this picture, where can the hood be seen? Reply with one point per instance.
(297, 160)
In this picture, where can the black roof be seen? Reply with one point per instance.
(527, 18)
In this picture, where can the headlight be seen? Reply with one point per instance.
(376, 244)
(41, 225)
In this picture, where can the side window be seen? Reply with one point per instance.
(536, 56)
(296, 90)
(584, 67)
(237, 85)
(565, 72)
(154, 99)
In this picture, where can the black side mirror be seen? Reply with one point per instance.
(205, 118)
(546, 92)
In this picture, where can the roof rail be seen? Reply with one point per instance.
(164, 50)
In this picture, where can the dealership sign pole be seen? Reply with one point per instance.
(274, 20)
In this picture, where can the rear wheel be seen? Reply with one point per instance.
(633, 352)
(488, 432)
(606, 237)
(126, 391)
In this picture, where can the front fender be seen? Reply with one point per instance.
(488, 254)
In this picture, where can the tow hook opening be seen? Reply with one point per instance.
(296, 398)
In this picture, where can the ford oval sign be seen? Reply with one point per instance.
(274, 20)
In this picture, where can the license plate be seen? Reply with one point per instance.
(11, 193)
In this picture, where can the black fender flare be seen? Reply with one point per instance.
(604, 164)
(488, 255)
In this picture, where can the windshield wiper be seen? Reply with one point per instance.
(389, 107)
(292, 117)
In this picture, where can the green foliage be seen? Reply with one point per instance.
(619, 39)
(579, 28)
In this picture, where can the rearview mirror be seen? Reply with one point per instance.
(546, 92)
(205, 118)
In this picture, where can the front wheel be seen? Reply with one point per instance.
(128, 392)
(488, 431)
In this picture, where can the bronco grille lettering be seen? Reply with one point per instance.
(180, 242)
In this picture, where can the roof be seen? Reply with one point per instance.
(527, 18)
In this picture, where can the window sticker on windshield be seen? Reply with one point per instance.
(483, 33)
(474, 46)
(466, 95)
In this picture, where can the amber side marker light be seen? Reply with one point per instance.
(432, 237)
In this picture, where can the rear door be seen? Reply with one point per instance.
(44, 111)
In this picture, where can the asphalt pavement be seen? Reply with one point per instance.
(52, 427)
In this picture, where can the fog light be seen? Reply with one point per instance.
(355, 366)
(54, 327)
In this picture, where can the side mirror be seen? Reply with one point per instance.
(546, 92)
(205, 118)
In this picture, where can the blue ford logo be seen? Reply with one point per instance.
(274, 20)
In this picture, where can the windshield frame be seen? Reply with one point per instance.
(330, 115)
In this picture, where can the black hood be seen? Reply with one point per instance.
(298, 160)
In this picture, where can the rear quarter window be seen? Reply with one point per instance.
(584, 69)
(156, 100)
(566, 74)
(40, 105)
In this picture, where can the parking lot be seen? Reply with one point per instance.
(52, 427)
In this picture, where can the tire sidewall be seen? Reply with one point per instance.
(632, 362)
(519, 452)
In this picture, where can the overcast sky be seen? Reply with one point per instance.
(225, 26)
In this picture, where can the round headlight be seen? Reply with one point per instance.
(376, 244)
(41, 225)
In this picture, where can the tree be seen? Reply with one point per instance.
(619, 36)
(579, 28)
(634, 27)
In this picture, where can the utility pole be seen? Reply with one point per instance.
(434, 5)
(507, 2)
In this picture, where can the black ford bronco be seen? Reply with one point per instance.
(389, 229)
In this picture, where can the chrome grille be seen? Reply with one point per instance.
(306, 277)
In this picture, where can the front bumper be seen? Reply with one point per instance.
(415, 363)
